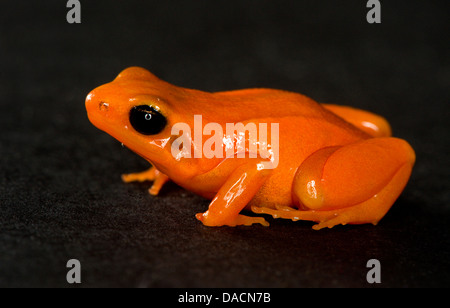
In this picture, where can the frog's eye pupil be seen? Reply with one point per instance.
(147, 120)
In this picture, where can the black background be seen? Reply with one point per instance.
(60, 192)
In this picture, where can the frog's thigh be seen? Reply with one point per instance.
(338, 177)
(369, 211)
(357, 183)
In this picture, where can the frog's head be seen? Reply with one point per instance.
(134, 109)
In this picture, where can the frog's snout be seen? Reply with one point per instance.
(89, 101)
(96, 109)
(94, 105)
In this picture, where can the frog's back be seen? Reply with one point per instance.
(262, 103)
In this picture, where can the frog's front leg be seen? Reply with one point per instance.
(240, 187)
(152, 174)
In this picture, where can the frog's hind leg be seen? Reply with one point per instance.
(353, 184)
(369, 211)
(371, 123)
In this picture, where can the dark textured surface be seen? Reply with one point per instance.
(60, 192)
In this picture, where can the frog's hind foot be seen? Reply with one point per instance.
(324, 217)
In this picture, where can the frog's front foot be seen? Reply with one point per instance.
(147, 175)
(240, 220)
(152, 174)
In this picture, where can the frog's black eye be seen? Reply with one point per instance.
(147, 120)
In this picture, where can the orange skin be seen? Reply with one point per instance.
(337, 165)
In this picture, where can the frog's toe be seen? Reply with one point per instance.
(330, 223)
(159, 182)
(248, 221)
(147, 175)
(154, 191)
(240, 220)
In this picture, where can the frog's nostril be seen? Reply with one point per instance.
(103, 106)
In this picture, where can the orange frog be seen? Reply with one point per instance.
(324, 163)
